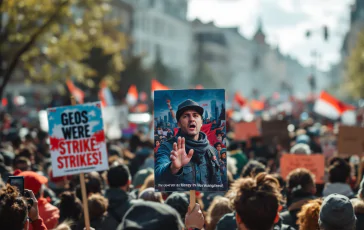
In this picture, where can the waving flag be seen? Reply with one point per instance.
(328, 106)
(76, 92)
(132, 96)
(105, 95)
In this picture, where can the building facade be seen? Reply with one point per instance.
(161, 26)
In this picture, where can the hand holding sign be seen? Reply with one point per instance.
(179, 157)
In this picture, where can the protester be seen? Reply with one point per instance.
(300, 189)
(339, 179)
(218, 208)
(309, 215)
(36, 183)
(15, 213)
(337, 213)
(119, 180)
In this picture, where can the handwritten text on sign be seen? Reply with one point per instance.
(77, 139)
(315, 163)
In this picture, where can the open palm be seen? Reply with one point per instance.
(179, 157)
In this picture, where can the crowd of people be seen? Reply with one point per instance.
(123, 197)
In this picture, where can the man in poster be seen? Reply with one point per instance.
(188, 160)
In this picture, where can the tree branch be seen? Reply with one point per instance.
(27, 46)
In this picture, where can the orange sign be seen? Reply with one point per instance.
(246, 130)
(314, 162)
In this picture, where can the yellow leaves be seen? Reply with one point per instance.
(355, 70)
(63, 47)
(117, 61)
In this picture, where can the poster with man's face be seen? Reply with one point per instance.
(190, 140)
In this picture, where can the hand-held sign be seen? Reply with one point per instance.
(179, 157)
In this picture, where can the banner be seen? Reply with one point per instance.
(77, 139)
(314, 162)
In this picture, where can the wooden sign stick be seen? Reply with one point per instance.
(83, 189)
(192, 199)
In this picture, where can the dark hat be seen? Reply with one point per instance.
(186, 105)
(151, 215)
(337, 212)
(223, 150)
(178, 201)
(140, 177)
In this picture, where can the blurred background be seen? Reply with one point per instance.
(119, 51)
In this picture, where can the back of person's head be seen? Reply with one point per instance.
(233, 145)
(252, 168)
(93, 183)
(301, 149)
(178, 201)
(152, 216)
(218, 208)
(65, 225)
(300, 183)
(309, 215)
(150, 194)
(22, 163)
(257, 201)
(97, 205)
(13, 209)
(339, 171)
(70, 207)
(118, 176)
(337, 212)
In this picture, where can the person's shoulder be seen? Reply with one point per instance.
(227, 222)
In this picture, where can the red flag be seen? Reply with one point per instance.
(132, 96)
(328, 106)
(76, 92)
(156, 85)
(239, 99)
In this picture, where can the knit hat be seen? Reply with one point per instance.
(337, 212)
(33, 181)
(178, 201)
(151, 216)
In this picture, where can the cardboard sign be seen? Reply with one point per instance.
(276, 132)
(245, 130)
(351, 140)
(201, 120)
(77, 139)
(314, 162)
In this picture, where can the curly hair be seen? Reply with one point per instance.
(309, 215)
(257, 201)
(13, 209)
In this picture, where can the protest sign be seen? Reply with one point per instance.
(77, 139)
(314, 162)
(351, 140)
(245, 130)
(198, 160)
(276, 132)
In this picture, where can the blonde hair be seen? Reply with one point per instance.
(309, 215)
(218, 208)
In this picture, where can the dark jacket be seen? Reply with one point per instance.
(119, 203)
(228, 222)
(206, 172)
(289, 217)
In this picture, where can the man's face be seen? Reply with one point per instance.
(190, 123)
(157, 143)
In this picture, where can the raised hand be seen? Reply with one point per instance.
(179, 157)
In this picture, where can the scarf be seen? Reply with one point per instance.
(200, 147)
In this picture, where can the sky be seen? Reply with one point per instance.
(285, 23)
